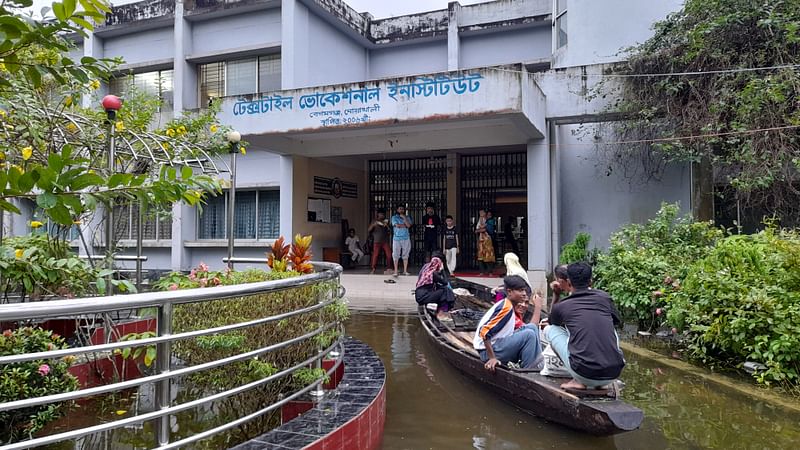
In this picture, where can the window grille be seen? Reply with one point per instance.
(257, 216)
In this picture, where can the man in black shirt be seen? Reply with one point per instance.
(581, 332)
(433, 225)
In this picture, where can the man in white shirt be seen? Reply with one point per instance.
(354, 245)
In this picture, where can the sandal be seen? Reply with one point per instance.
(390, 281)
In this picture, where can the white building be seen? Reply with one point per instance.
(470, 107)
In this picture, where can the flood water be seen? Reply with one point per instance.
(430, 405)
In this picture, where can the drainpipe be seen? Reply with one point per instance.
(233, 137)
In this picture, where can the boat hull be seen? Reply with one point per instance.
(539, 395)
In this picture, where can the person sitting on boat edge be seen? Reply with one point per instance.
(582, 333)
(433, 286)
(513, 267)
(495, 338)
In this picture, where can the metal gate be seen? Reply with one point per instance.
(411, 182)
(483, 177)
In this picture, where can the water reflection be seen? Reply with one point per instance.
(430, 405)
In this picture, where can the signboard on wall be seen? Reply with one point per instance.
(379, 102)
(335, 187)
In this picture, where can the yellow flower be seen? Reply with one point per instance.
(2, 156)
(72, 128)
(68, 101)
(76, 222)
(3, 113)
(121, 412)
(181, 129)
(165, 145)
(170, 132)
(27, 152)
(94, 84)
(119, 126)
(18, 253)
(36, 224)
(243, 150)
(90, 171)
(2, 67)
(213, 128)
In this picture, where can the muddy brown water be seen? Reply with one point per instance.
(430, 405)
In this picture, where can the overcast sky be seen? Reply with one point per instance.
(378, 8)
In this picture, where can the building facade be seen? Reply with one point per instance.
(480, 106)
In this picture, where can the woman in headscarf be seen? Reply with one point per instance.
(513, 267)
(485, 248)
(433, 286)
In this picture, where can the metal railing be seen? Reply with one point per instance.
(164, 303)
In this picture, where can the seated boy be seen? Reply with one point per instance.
(581, 332)
(354, 245)
(496, 340)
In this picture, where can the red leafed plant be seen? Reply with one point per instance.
(279, 257)
(300, 256)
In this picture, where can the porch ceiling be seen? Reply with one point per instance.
(490, 131)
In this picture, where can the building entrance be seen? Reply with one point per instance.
(412, 182)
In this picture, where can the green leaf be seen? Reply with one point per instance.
(149, 356)
(7, 206)
(60, 214)
(73, 202)
(55, 162)
(46, 200)
(27, 180)
(34, 76)
(119, 179)
(101, 285)
(69, 7)
(86, 180)
(58, 10)
(186, 172)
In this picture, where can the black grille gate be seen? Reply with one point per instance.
(412, 182)
(482, 178)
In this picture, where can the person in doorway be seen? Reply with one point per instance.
(433, 228)
(485, 249)
(379, 231)
(401, 240)
(582, 333)
(495, 338)
(433, 286)
(450, 243)
(491, 229)
(354, 245)
(508, 234)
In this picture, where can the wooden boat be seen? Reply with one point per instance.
(536, 394)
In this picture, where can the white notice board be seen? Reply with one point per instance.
(319, 210)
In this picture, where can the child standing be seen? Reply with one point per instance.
(354, 245)
(450, 243)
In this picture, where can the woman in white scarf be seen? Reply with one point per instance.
(513, 267)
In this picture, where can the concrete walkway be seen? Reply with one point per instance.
(370, 293)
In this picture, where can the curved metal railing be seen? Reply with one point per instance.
(164, 302)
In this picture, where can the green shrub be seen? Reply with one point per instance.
(742, 302)
(645, 260)
(35, 266)
(32, 379)
(242, 309)
(578, 250)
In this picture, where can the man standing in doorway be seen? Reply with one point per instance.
(379, 230)
(433, 227)
(401, 241)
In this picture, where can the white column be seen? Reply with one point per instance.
(453, 40)
(185, 77)
(555, 194)
(288, 49)
(286, 196)
(539, 220)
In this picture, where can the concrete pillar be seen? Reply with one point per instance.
(555, 193)
(185, 76)
(93, 47)
(539, 211)
(453, 40)
(286, 196)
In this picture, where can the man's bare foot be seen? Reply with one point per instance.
(442, 315)
(372, 272)
(573, 384)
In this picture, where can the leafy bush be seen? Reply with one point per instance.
(742, 302)
(643, 258)
(32, 379)
(578, 250)
(235, 310)
(36, 266)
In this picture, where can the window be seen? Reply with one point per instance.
(158, 84)
(560, 23)
(239, 77)
(257, 216)
(155, 226)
